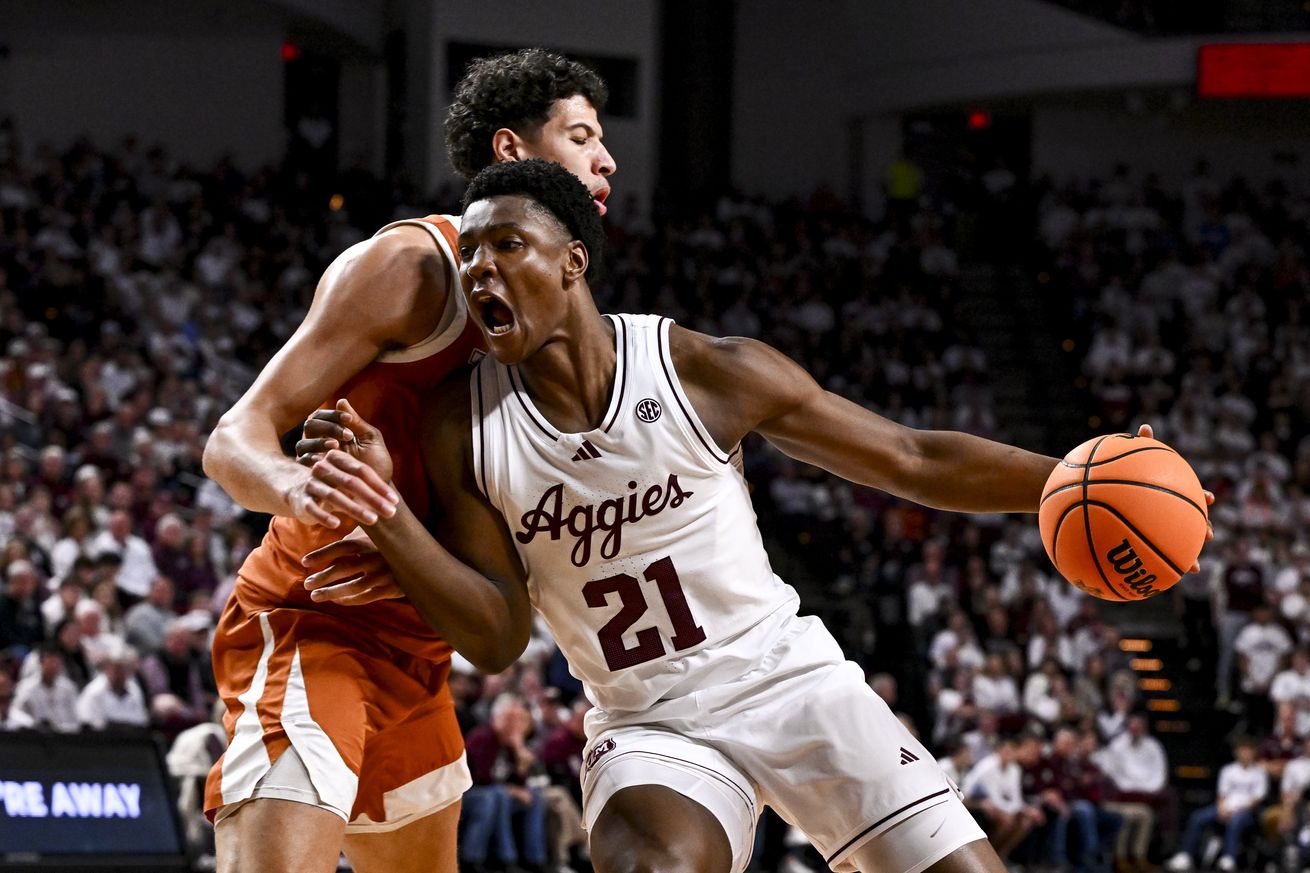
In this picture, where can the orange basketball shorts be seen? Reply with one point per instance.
(374, 726)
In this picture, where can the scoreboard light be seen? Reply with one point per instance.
(1278, 70)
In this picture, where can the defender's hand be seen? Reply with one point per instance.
(343, 428)
(349, 463)
(350, 572)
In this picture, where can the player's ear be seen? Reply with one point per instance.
(576, 261)
(506, 145)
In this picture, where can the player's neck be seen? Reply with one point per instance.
(570, 379)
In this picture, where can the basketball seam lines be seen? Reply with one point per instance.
(1128, 524)
(1117, 457)
(1180, 496)
(1087, 520)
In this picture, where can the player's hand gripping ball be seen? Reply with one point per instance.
(1123, 517)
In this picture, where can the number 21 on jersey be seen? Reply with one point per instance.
(632, 602)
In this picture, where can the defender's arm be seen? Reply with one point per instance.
(386, 292)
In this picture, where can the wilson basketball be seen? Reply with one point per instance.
(1123, 517)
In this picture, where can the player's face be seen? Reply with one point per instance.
(513, 261)
(572, 137)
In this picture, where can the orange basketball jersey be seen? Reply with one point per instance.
(387, 393)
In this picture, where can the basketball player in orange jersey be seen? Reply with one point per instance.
(591, 467)
(341, 730)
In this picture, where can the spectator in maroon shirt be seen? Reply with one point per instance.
(562, 755)
(174, 679)
(1282, 744)
(53, 474)
(185, 563)
(21, 625)
(101, 452)
(1243, 583)
(562, 752)
(1082, 787)
(503, 770)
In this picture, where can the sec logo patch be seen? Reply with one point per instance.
(649, 410)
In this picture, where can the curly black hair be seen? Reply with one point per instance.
(556, 191)
(515, 91)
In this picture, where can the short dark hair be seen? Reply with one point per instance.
(560, 193)
(514, 91)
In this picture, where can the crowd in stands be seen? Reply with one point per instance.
(139, 297)
(1188, 306)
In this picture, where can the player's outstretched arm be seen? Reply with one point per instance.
(367, 301)
(467, 583)
(740, 385)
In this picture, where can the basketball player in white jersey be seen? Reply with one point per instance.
(590, 468)
(305, 775)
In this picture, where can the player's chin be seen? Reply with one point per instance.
(508, 347)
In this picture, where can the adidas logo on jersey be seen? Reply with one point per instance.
(907, 757)
(587, 452)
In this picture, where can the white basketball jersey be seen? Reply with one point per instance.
(638, 537)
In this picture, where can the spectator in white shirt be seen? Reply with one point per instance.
(957, 638)
(49, 698)
(1135, 763)
(59, 605)
(11, 719)
(984, 738)
(138, 569)
(1041, 692)
(114, 698)
(1242, 785)
(957, 762)
(993, 789)
(1291, 789)
(994, 688)
(1261, 647)
(146, 622)
(75, 543)
(1292, 687)
(90, 616)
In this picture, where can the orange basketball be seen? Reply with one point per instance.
(1123, 517)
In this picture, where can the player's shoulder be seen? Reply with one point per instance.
(409, 244)
(693, 349)
(734, 360)
(395, 281)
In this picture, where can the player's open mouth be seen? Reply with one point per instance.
(496, 316)
(599, 197)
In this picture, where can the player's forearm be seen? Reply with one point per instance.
(964, 473)
(469, 611)
(248, 462)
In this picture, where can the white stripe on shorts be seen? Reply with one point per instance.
(334, 781)
(418, 798)
(246, 760)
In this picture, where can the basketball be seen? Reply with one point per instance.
(1123, 517)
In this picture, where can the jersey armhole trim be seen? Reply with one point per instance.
(527, 408)
(453, 317)
(688, 413)
(480, 446)
(621, 330)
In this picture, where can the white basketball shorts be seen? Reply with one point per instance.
(802, 733)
